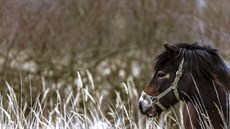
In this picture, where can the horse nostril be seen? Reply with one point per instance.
(143, 109)
(140, 105)
(144, 96)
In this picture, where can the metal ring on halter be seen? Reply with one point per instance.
(155, 100)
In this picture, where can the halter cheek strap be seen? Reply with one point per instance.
(174, 86)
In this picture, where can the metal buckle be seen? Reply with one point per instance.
(155, 100)
(178, 73)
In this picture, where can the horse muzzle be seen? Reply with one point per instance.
(147, 107)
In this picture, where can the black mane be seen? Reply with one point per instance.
(202, 61)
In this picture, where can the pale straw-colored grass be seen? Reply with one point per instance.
(86, 110)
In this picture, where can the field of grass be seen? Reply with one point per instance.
(83, 63)
(81, 110)
(86, 110)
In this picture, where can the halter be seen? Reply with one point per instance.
(173, 87)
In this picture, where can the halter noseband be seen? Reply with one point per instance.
(173, 86)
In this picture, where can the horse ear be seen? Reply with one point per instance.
(170, 50)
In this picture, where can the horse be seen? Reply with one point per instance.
(195, 74)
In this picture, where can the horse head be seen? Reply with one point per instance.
(178, 71)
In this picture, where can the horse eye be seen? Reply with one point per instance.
(160, 74)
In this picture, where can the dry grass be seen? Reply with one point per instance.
(82, 110)
(85, 110)
(44, 43)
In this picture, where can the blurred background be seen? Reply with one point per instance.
(44, 43)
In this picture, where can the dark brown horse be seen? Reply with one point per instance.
(195, 74)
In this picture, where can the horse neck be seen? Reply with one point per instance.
(209, 92)
(222, 77)
(211, 98)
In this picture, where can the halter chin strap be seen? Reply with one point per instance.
(173, 86)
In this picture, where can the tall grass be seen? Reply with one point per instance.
(81, 110)
(113, 39)
(84, 110)
(50, 40)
